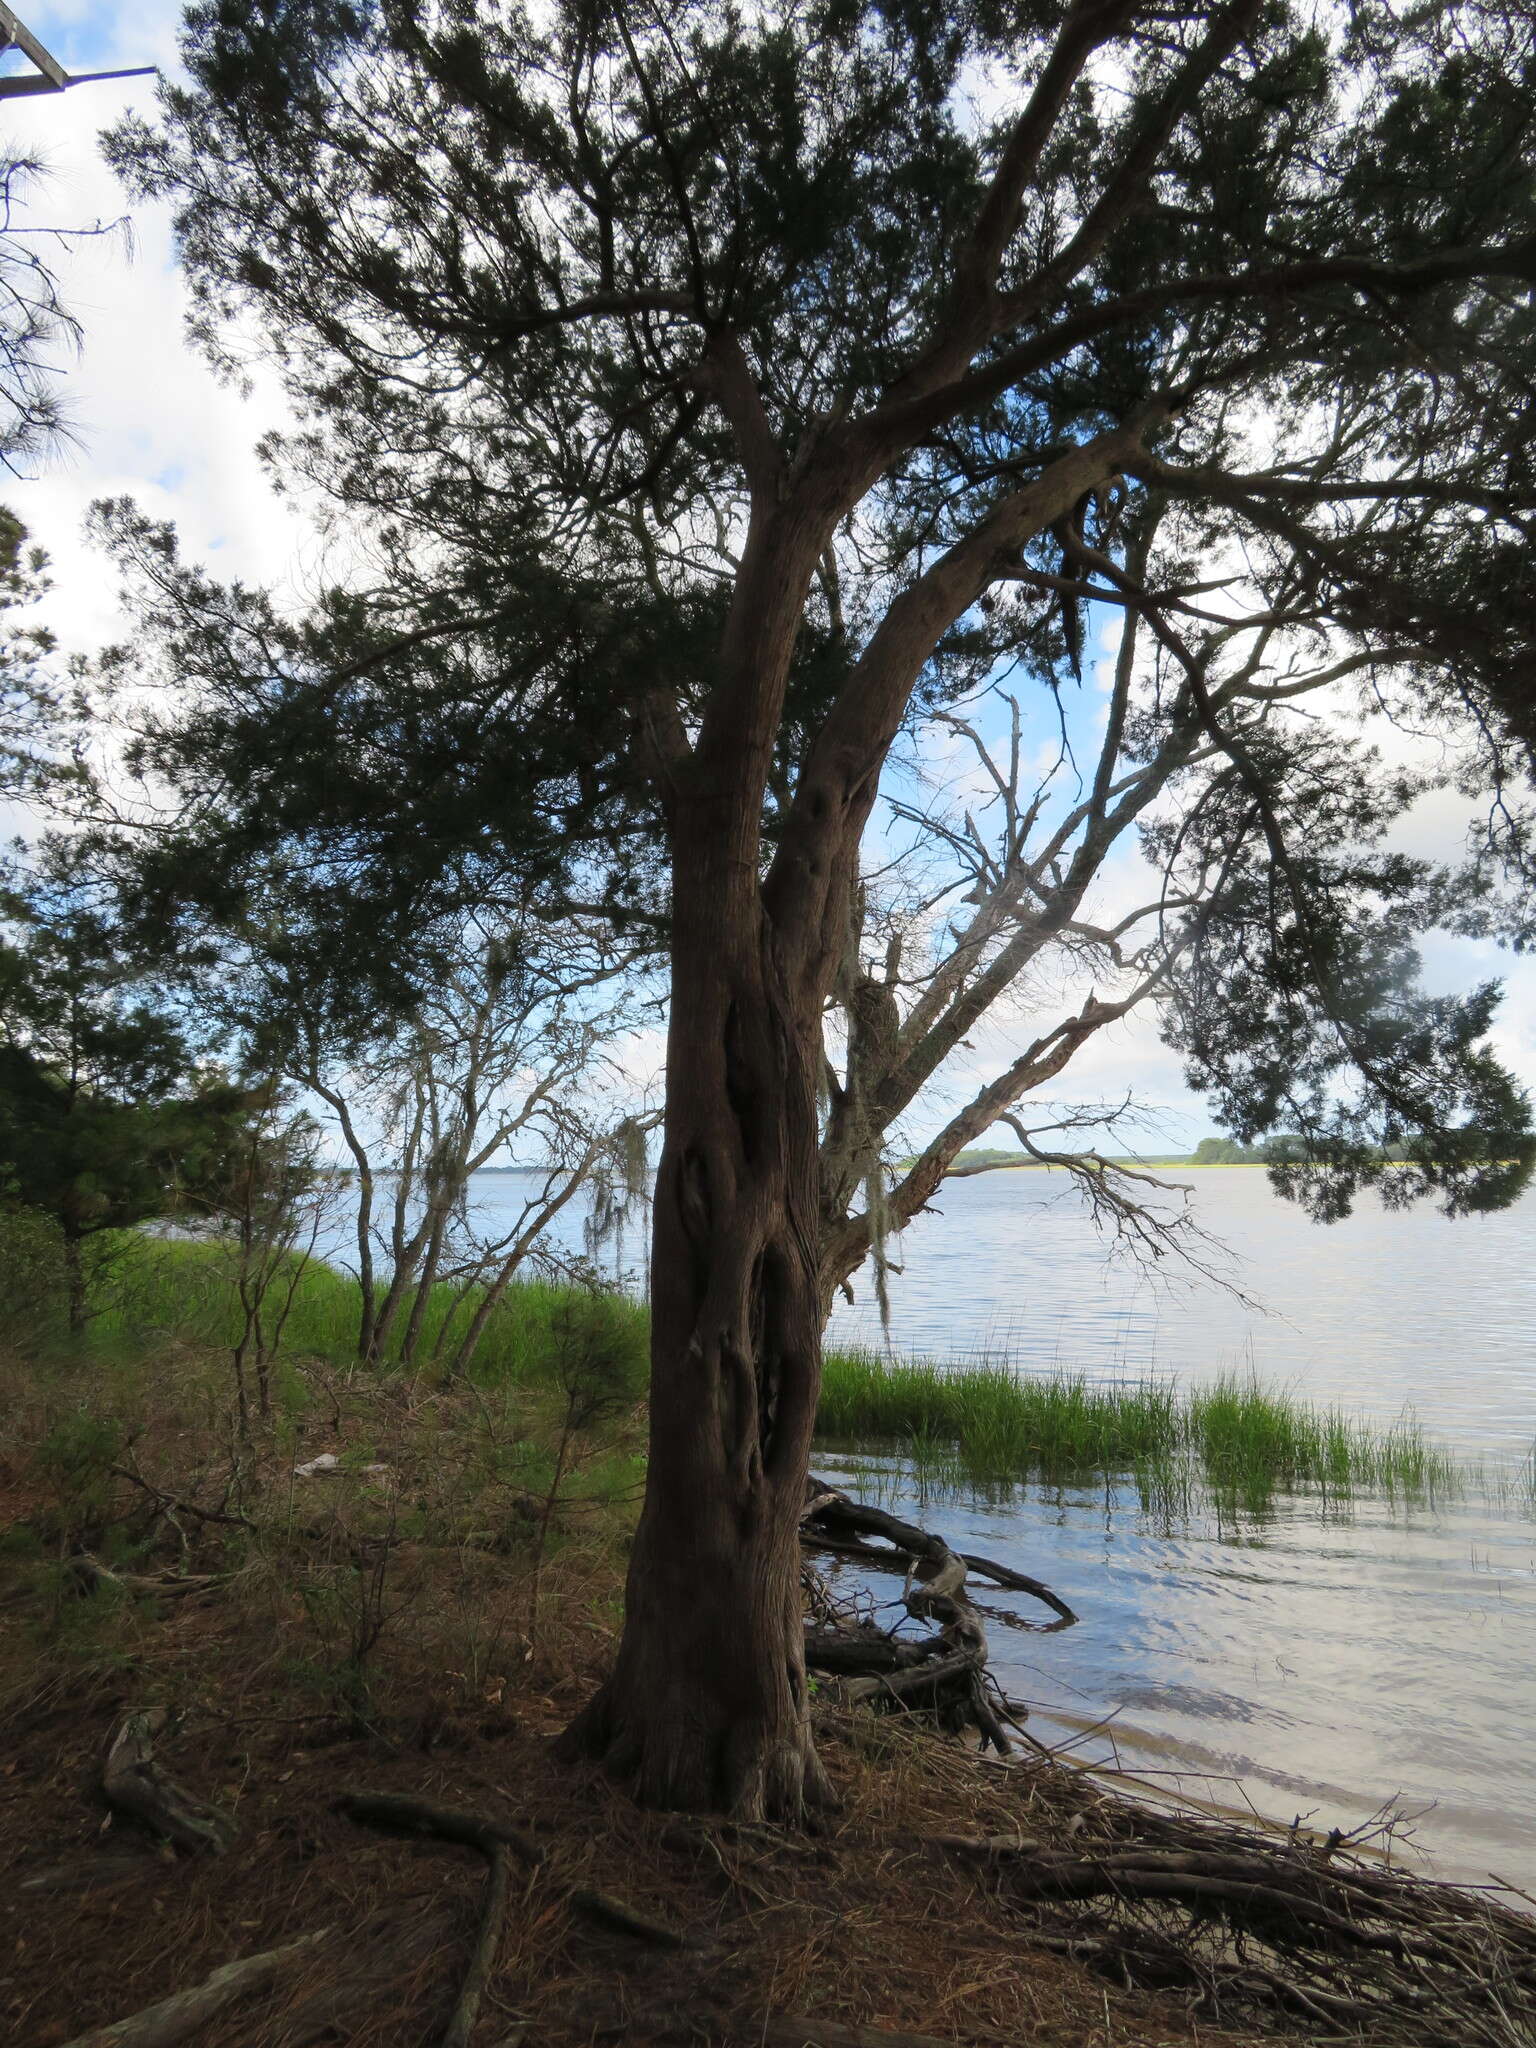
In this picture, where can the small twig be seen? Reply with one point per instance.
(173, 1503)
(615, 1913)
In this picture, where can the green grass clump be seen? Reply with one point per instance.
(1002, 1423)
(1250, 1438)
(1242, 1441)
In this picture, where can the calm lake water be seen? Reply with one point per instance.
(1322, 1660)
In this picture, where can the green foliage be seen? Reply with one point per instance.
(33, 1292)
(1226, 1152)
(558, 293)
(599, 1356)
(106, 1118)
(73, 1464)
(30, 698)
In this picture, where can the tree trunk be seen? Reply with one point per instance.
(707, 1706)
(74, 1282)
(438, 1211)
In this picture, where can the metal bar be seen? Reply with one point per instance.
(17, 33)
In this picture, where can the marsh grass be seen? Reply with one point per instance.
(1236, 1440)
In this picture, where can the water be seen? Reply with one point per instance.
(1373, 1314)
(1322, 1660)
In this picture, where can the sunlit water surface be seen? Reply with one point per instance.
(1325, 1659)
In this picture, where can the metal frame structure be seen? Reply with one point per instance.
(50, 75)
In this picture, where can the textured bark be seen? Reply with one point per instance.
(134, 1784)
(707, 1707)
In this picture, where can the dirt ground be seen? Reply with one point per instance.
(416, 1623)
(860, 1924)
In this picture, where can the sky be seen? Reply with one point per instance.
(151, 421)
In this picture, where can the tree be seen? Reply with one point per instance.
(35, 323)
(1271, 915)
(265, 1195)
(506, 1043)
(31, 703)
(705, 375)
(107, 1118)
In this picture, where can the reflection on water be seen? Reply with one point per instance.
(1316, 1664)
(1330, 1657)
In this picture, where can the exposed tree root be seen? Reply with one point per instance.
(493, 1838)
(134, 1784)
(182, 2016)
(943, 1673)
(493, 1916)
(398, 1815)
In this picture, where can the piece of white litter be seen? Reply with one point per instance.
(328, 1464)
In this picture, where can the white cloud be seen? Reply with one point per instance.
(149, 417)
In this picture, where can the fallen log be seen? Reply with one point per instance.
(134, 1784)
(186, 2013)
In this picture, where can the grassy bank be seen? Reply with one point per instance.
(982, 1423)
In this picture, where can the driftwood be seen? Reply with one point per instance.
(134, 1784)
(1308, 1929)
(838, 1525)
(943, 1673)
(186, 2013)
(860, 1652)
